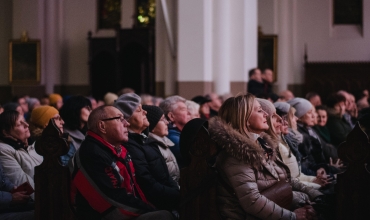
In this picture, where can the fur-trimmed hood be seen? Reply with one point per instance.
(237, 145)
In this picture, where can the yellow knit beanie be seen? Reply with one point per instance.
(54, 98)
(41, 116)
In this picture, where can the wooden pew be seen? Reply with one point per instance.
(198, 180)
(52, 180)
(353, 185)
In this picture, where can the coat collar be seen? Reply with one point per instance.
(165, 142)
(240, 146)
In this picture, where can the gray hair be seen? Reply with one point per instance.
(193, 107)
(95, 116)
(170, 103)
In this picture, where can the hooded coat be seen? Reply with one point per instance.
(243, 166)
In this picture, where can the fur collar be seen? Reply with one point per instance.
(237, 145)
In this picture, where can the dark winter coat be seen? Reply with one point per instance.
(152, 172)
(338, 128)
(112, 173)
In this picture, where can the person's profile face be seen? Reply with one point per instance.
(116, 129)
(322, 117)
(257, 121)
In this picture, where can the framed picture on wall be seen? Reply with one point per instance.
(24, 61)
(267, 53)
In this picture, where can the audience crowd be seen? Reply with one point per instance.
(126, 149)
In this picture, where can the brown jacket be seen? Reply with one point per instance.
(243, 167)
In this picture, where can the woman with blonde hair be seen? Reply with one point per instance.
(253, 183)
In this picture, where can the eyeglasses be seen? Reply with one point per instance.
(121, 118)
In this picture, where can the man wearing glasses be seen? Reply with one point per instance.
(104, 175)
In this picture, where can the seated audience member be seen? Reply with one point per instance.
(94, 103)
(177, 114)
(204, 109)
(247, 166)
(214, 104)
(288, 150)
(163, 191)
(13, 106)
(24, 105)
(32, 104)
(314, 98)
(311, 148)
(17, 158)
(45, 100)
(103, 169)
(157, 100)
(1, 109)
(109, 98)
(158, 130)
(75, 113)
(274, 121)
(146, 99)
(151, 170)
(55, 100)
(320, 127)
(13, 205)
(286, 95)
(255, 83)
(338, 127)
(351, 113)
(193, 109)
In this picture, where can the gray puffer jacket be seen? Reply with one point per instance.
(242, 165)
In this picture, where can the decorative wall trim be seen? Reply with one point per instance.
(190, 89)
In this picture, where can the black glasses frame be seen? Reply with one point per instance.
(109, 119)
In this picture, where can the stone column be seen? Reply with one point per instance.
(52, 48)
(285, 44)
(243, 35)
(221, 45)
(194, 47)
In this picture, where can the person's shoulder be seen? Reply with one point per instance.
(6, 147)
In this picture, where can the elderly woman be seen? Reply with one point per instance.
(285, 148)
(75, 112)
(311, 149)
(17, 158)
(177, 114)
(247, 166)
(151, 170)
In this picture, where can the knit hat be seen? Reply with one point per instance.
(200, 100)
(109, 98)
(267, 106)
(302, 106)
(282, 108)
(54, 98)
(127, 103)
(154, 114)
(41, 116)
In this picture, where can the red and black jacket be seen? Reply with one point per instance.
(114, 176)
